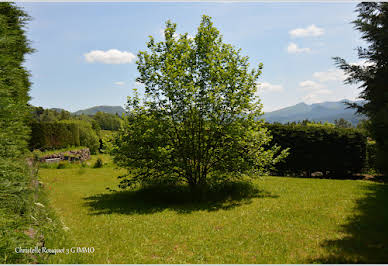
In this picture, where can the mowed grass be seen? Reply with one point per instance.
(291, 220)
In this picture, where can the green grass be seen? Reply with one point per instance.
(290, 220)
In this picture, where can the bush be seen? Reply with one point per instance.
(371, 160)
(62, 165)
(337, 151)
(88, 137)
(98, 163)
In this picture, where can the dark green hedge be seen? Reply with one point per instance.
(62, 134)
(54, 135)
(332, 151)
(16, 191)
(371, 159)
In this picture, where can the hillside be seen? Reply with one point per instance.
(102, 108)
(326, 111)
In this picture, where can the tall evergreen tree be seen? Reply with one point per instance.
(372, 22)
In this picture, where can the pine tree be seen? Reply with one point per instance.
(372, 22)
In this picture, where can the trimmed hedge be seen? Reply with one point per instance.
(62, 134)
(332, 151)
(371, 152)
(54, 135)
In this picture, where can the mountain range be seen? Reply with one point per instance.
(319, 112)
(102, 108)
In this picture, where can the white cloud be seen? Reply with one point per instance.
(120, 83)
(139, 84)
(112, 56)
(294, 49)
(268, 87)
(330, 75)
(362, 63)
(315, 96)
(310, 85)
(311, 30)
(176, 35)
(315, 89)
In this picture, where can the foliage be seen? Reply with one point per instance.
(107, 121)
(199, 118)
(334, 151)
(307, 122)
(321, 125)
(15, 176)
(98, 164)
(372, 22)
(342, 123)
(54, 135)
(48, 115)
(370, 165)
(40, 154)
(62, 165)
(364, 127)
(88, 137)
(107, 139)
(63, 134)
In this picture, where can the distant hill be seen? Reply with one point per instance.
(326, 111)
(102, 108)
(57, 109)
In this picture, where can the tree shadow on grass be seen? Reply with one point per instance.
(366, 239)
(178, 198)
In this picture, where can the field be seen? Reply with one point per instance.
(291, 220)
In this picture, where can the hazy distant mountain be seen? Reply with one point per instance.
(102, 108)
(57, 109)
(326, 111)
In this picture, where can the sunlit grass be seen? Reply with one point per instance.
(290, 221)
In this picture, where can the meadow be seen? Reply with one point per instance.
(289, 220)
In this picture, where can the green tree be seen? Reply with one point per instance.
(199, 120)
(107, 121)
(372, 22)
(342, 123)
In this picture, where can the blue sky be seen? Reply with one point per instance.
(85, 51)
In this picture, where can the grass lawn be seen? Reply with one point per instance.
(292, 220)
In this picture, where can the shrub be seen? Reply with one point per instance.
(98, 163)
(371, 151)
(62, 165)
(88, 137)
(328, 150)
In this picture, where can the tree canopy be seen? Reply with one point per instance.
(198, 121)
(372, 75)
